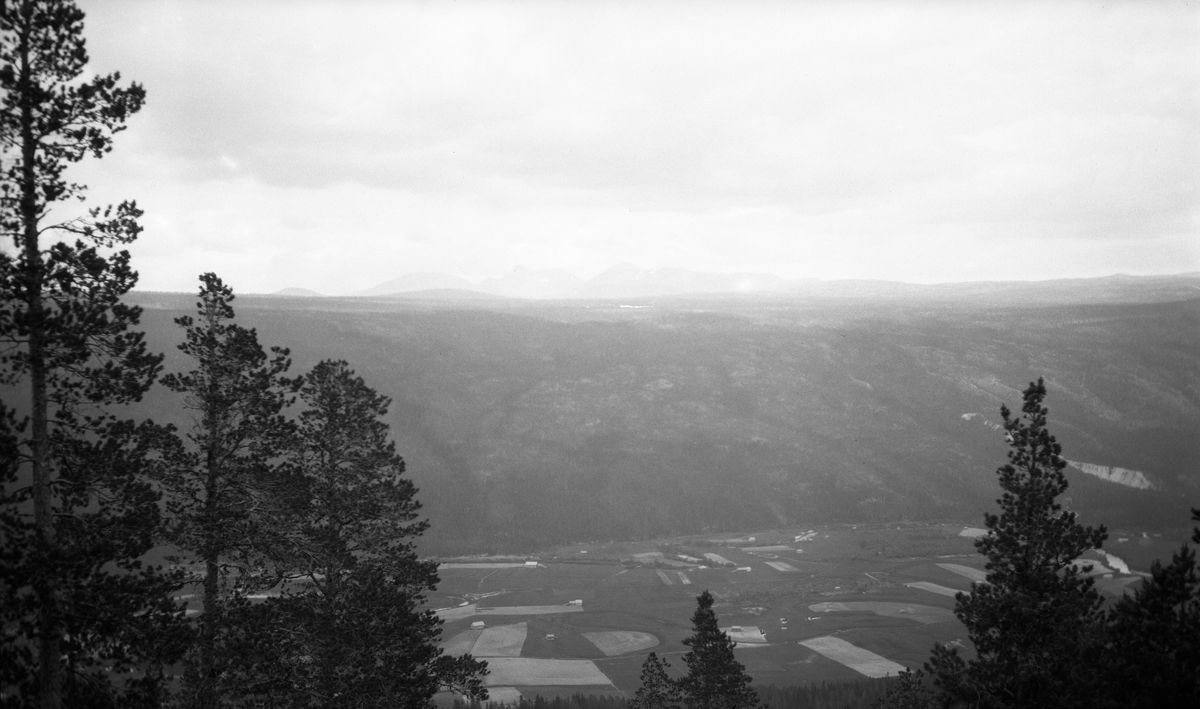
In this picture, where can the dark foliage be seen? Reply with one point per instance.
(86, 622)
(1152, 654)
(714, 679)
(657, 689)
(1037, 622)
(1035, 615)
(351, 633)
(226, 487)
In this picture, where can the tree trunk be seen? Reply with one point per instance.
(212, 603)
(50, 675)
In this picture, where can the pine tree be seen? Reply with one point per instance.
(1034, 618)
(715, 679)
(657, 690)
(353, 635)
(1152, 654)
(226, 488)
(79, 504)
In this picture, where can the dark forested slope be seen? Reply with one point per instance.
(529, 422)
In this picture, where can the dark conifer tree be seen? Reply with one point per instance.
(658, 690)
(79, 507)
(226, 488)
(1152, 654)
(1034, 618)
(353, 634)
(715, 679)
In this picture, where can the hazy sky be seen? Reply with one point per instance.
(337, 144)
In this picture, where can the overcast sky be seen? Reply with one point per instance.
(337, 144)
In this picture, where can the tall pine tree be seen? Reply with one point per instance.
(353, 634)
(714, 679)
(226, 487)
(1036, 615)
(79, 505)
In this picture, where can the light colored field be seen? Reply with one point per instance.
(648, 556)
(906, 611)
(972, 532)
(718, 559)
(935, 588)
(765, 550)
(483, 565)
(970, 572)
(504, 695)
(457, 612)
(665, 579)
(619, 642)
(683, 579)
(854, 657)
(462, 643)
(501, 641)
(533, 672)
(528, 610)
(745, 634)
(781, 566)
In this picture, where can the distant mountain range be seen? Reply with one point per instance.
(622, 281)
(298, 293)
(630, 281)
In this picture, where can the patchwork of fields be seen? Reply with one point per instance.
(804, 606)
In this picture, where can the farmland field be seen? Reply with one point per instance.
(854, 657)
(510, 671)
(846, 603)
(619, 642)
(501, 641)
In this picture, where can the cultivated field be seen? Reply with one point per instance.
(854, 657)
(619, 642)
(844, 603)
(533, 672)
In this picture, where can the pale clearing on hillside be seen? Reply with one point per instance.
(501, 641)
(972, 532)
(665, 579)
(619, 642)
(532, 672)
(854, 657)
(969, 572)
(781, 566)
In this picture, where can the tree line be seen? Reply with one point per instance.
(284, 504)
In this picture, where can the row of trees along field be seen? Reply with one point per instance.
(282, 483)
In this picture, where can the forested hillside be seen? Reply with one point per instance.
(529, 422)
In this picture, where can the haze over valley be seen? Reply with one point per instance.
(534, 422)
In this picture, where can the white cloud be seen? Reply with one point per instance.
(333, 145)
